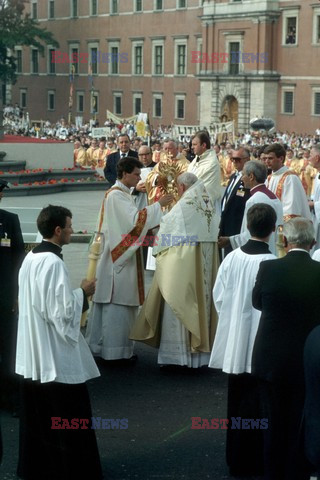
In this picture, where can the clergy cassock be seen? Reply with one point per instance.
(120, 282)
(178, 316)
(288, 188)
(259, 194)
(232, 350)
(54, 361)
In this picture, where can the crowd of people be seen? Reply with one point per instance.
(219, 261)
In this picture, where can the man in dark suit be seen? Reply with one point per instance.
(312, 402)
(233, 201)
(286, 293)
(11, 256)
(110, 170)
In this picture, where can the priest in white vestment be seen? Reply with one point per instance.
(206, 166)
(120, 281)
(178, 315)
(285, 184)
(237, 327)
(315, 204)
(253, 177)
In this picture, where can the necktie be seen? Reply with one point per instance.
(230, 188)
(123, 155)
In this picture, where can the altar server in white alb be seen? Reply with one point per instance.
(178, 316)
(253, 177)
(286, 184)
(55, 361)
(237, 327)
(120, 282)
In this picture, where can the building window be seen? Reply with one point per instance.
(288, 101)
(34, 10)
(234, 57)
(80, 102)
(51, 100)
(316, 26)
(114, 7)
(74, 8)
(94, 60)
(19, 61)
(138, 6)
(34, 61)
(290, 27)
(117, 104)
(137, 103)
(158, 5)
(137, 59)
(291, 31)
(181, 56)
(94, 103)
(180, 113)
(94, 7)
(23, 97)
(51, 9)
(114, 63)
(181, 3)
(51, 61)
(316, 102)
(157, 106)
(74, 54)
(158, 60)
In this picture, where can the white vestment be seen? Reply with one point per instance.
(244, 235)
(238, 320)
(207, 169)
(178, 315)
(293, 197)
(316, 217)
(119, 289)
(50, 346)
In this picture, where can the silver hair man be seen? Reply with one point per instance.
(187, 179)
(258, 169)
(299, 233)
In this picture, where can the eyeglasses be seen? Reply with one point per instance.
(238, 159)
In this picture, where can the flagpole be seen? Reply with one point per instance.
(72, 72)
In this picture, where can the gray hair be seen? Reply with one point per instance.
(258, 169)
(299, 231)
(187, 178)
(316, 147)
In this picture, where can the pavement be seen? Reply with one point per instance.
(159, 442)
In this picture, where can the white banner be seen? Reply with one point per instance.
(100, 132)
(117, 120)
(213, 129)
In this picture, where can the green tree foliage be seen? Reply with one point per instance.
(17, 28)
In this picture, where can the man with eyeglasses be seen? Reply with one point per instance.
(233, 201)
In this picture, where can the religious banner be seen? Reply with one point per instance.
(142, 125)
(117, 120)
(100, 132)
(185, 132)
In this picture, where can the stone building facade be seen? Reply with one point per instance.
(181, 61)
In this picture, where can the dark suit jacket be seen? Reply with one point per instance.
(231, 217)
(10, 258)
(312, 402)
(287, 293)
(110, 170)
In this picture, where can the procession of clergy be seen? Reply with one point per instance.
(175, 211)
(214, 254)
